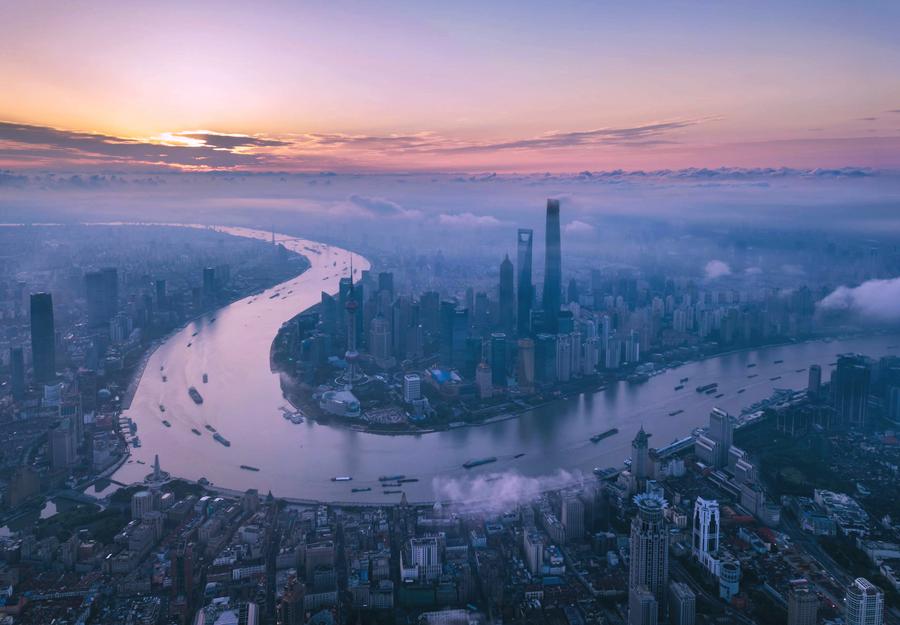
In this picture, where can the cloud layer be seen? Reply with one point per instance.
(873, 300)
(499, 492)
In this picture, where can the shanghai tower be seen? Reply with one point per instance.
(552, 270)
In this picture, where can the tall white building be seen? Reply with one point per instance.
(412, 387)
(705, 545)
(425, 555)
(864, 603)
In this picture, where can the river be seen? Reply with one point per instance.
(243, 401)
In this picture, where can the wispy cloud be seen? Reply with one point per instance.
(578, 227)
(199, 149)
(468, 220)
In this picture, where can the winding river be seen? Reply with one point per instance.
(243, 401)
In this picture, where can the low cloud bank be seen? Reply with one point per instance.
(873, 300)
(499, 492)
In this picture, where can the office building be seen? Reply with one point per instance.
(649, 543)
(643, 608)
(721, 431)
(17, 373)
(729, 579)
(850, 390)
(640, 460)
(43, 338)
(525, 365)
(498, 359)
(682, 604)
(572, 516)
(864, 603)
(412, 387)
(814, 385)
(705, 545)
(552, 269)
(803, 604)
(425, 556)
(506, 296)
(524, 285)
(141, 504)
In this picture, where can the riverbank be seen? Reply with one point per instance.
(299, 396)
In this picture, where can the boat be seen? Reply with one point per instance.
(675, 413)
(777, 377)
(755, 375)
(596, 438)
(519, 455)
(741, 390)
(408, 480)
(637, 378)
(683, 380)
(166, 423)
(777, 362)
(679, 387)
(221, 439)
(799, 370)
(711, 391)
(189, 344)
(205, 378)
(195, 395)
(165, 379)
(195, 334)
(196, 431)
(162, 408)
(274, 295)
(392, 492)
(720, 395)
(247, 467)
(390, 478)
(751, 365)
(295, 418)
(341, 478)
(361, 490)
(707, 387)
(209, 427)
(470, 464)
(135, 442)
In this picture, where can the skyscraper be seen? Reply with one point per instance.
(506, 296)
(43, 338)
(17, 372)
(721, 430)
(864, 603)
(813, 387)
(498, 359)
(850, 390)
(552, 269)
(640, 459)
(649, 565)
(706, 534)
(525, 294)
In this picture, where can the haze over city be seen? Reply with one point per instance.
(318, 313)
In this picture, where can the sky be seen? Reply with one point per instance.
(505, 87)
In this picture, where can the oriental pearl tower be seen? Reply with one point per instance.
(351, 355)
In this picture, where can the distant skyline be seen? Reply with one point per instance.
(420, 86)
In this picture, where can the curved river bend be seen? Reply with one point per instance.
(243, 401)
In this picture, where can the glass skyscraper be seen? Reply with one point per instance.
(552, 269)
